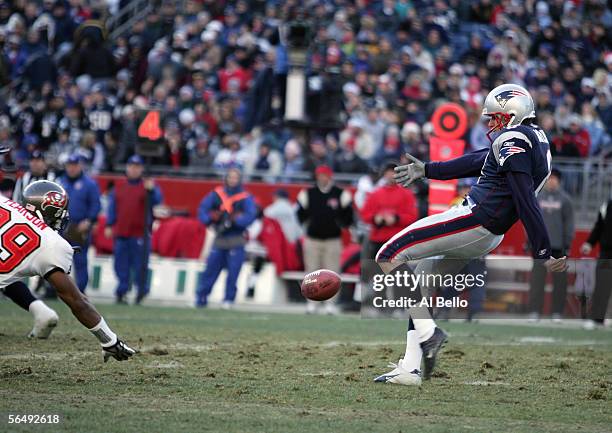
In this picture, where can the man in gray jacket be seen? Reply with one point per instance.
(558, 216)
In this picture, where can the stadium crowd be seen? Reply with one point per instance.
(217, 70)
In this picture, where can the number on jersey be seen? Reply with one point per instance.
(17, 242)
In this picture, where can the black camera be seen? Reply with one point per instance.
(298, 35)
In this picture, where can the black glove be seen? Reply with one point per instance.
(120, 351)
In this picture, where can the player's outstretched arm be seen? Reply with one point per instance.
(468, 165)
(87, 314)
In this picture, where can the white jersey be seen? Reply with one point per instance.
(28, 246)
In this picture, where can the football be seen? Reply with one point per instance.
(320, 285)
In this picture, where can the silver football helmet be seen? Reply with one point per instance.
(508, 105)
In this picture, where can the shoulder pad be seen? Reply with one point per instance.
(510, 142)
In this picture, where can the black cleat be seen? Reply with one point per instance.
(430, 348)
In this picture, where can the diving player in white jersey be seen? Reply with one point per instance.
(45, 318)
(31, 245)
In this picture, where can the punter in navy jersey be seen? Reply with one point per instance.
(510, 174)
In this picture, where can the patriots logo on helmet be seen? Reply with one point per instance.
(508, 149)
(503, 97)
(53, 199)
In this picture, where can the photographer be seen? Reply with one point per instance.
(229, 210)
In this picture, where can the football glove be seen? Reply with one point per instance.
(405, 175)
(120, 351)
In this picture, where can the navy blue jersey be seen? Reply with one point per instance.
(522, 149)
(512, 172)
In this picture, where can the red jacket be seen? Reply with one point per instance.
(565, 144)
(239, 75)
(179, 237)
(394, 200)
(283, 254)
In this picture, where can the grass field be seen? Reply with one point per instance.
(254, 372)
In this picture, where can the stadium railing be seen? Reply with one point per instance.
(588, 181)
(122, 21)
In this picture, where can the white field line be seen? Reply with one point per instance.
(200, 347)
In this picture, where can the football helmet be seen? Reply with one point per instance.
(48, 201)
(508, 105)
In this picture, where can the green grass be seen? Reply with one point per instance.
(254, 372)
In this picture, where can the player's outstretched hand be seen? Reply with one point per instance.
(120, 351)
(405, 175)
(556, 265)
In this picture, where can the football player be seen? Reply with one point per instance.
(511, 173)
(45, 318)
(31, 245)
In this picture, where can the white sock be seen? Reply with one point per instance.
(413, 355)
(104, 334)
(39, 308)
(424, 328)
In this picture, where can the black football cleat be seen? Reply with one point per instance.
(430, 348)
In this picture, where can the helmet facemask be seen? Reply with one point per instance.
(502, 120)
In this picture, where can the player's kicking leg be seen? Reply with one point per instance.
(454, 234)
(45, 319)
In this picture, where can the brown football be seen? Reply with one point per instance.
(320, 285)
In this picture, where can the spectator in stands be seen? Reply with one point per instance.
(395, 63)
(388, 209)
(268, 163)
(322, 245)
(91, 152)
(346, 160)
(601, 234)
(558, 213)
(201, 157)
(413, 143)
(358, 139)
(578, 136)
(391, 148)
(38, 171)
(91, 57)
(231, 155)
(128, 218)
(600, 139)
(318, 155)
(60, 150)
(294, 162)
(229, 210)
(83, 207)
